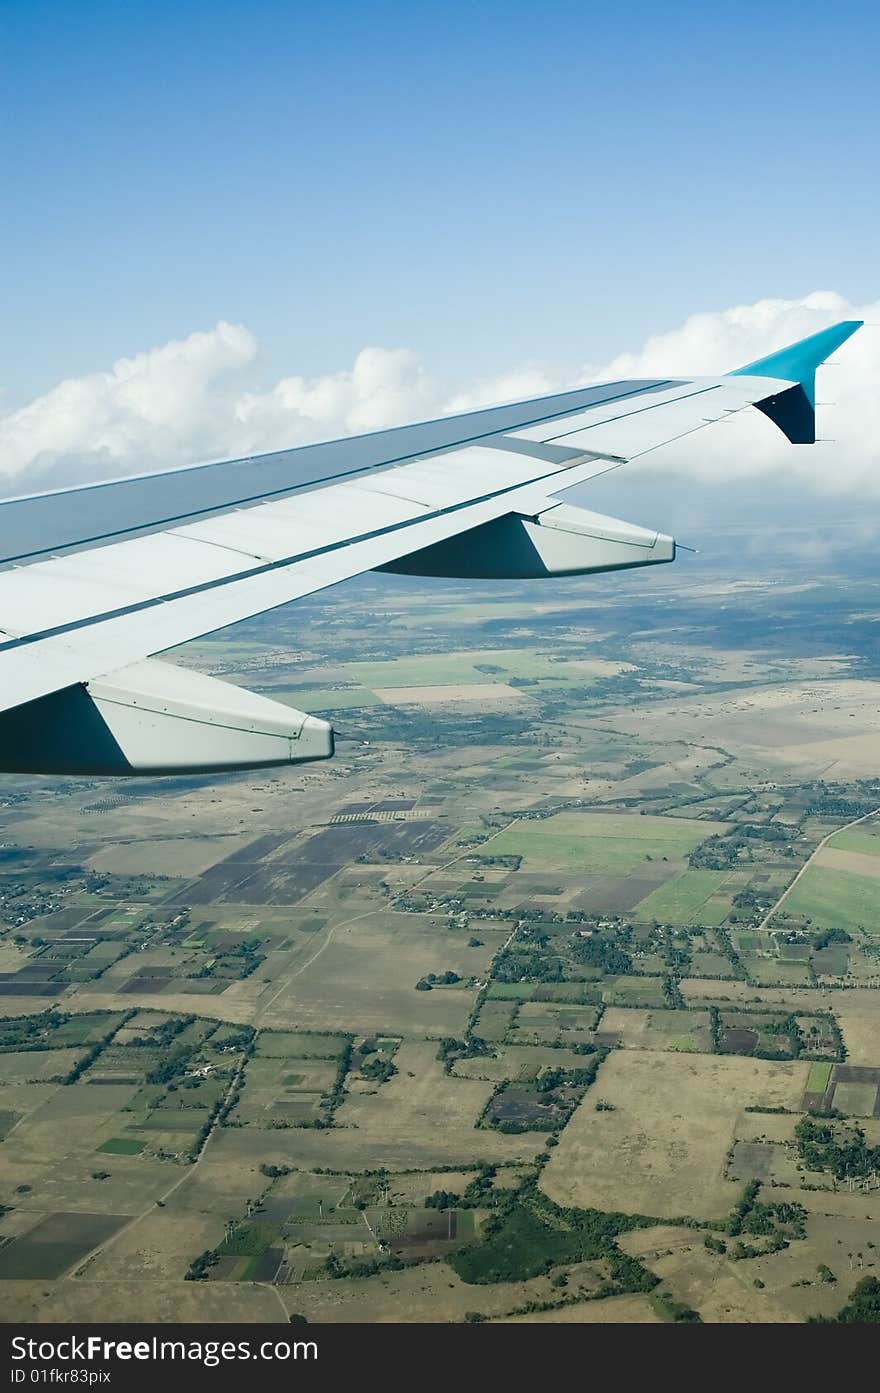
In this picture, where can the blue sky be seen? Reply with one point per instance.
(483, 183)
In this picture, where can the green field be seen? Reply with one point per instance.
(634, 991)
(282, 1044)
(862, 842)
(836, 899)
(446, 616)
(772, 972)
(439, 669)
(612, 844)
(681, 900)
(817, 1079)
(328, 698)
(511, 991)
(123, 1146)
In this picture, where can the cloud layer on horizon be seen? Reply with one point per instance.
(192, 399)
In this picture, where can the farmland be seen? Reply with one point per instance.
(514, 1011)
(836, 899)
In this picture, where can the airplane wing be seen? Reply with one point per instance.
(95, 581)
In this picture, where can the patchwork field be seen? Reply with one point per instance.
(660, 1149)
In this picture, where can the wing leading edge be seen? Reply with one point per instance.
(100, 579)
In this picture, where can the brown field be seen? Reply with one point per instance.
(361, 975)
(699, 989)
(827, 729)
(856, 862)
(516, 1061)
(661, 1151)
(158, 1248)
(724, 1291)
(119, 1302)
(421, 1117)
(614, 1310)
(12, 957)
(638, 1029)
(178, 856)
(36, 1066)
(430, 1293)
(857, 1016)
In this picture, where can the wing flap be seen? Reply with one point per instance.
(155, 718)
(333, 535)
(101, 513)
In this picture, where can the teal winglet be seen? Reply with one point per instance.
(794, 410)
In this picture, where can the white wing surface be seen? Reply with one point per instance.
(97, 580)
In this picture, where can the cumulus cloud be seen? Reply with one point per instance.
(384, 387)
(192, 400)
(160, 407)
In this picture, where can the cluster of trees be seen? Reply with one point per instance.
(528, 1234)
(239, 1039)
(451, 1049)
(510, 862)
(200, 1266)
(478, 1193)
(512, 965)
(863, 1307)
(775, 1221)
(379, 1068)
(844, 1152)
(723, 850)
(547, 1104)
(676, 1311)
(337, 1092)
(827, 936)
(362, 1267)
(442, 1199)
(787, 1027)
(437, 979)
(552, 1079)
(672, 991)
(833, 805)
(163, 1034)
(172, 1065)
(242, 960)
(20, 1033)
(603, 953)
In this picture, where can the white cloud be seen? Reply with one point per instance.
(191, 400)
(160, 407)
(384, 387)
(530, 380)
